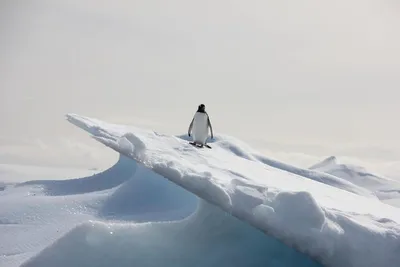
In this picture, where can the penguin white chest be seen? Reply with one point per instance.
(200, 127)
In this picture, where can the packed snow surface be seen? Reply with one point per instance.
(333, 224)
(167, 203)
(386, 189)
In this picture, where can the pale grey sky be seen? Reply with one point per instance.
(310, 77)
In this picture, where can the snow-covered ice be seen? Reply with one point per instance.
(386, 189)
(168, 203)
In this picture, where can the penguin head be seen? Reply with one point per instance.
(201, 108)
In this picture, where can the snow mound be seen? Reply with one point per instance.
(209, 237)
(319, 214)
(385, 189)
(37, 213)
(300, 207)
(53, 230)
(123, 170)
(326, 163)
(148, 197)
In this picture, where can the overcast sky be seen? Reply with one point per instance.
(311, 77)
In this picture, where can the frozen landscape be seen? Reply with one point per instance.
(167, 203)
(95, 164)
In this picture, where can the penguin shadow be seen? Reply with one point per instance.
(187, 138)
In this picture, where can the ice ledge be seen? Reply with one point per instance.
(336, 227)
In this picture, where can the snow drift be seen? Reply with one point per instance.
(170, 204)
(386, 189)
(207, 238)
(331, 219)
(140, 219)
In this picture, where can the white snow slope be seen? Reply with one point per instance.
(386, 189)
(251, 210)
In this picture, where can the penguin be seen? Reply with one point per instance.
(199, 127)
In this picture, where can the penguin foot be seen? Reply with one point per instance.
(199, 145)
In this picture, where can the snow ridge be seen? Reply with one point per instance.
(332, 225)
(387, 190)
